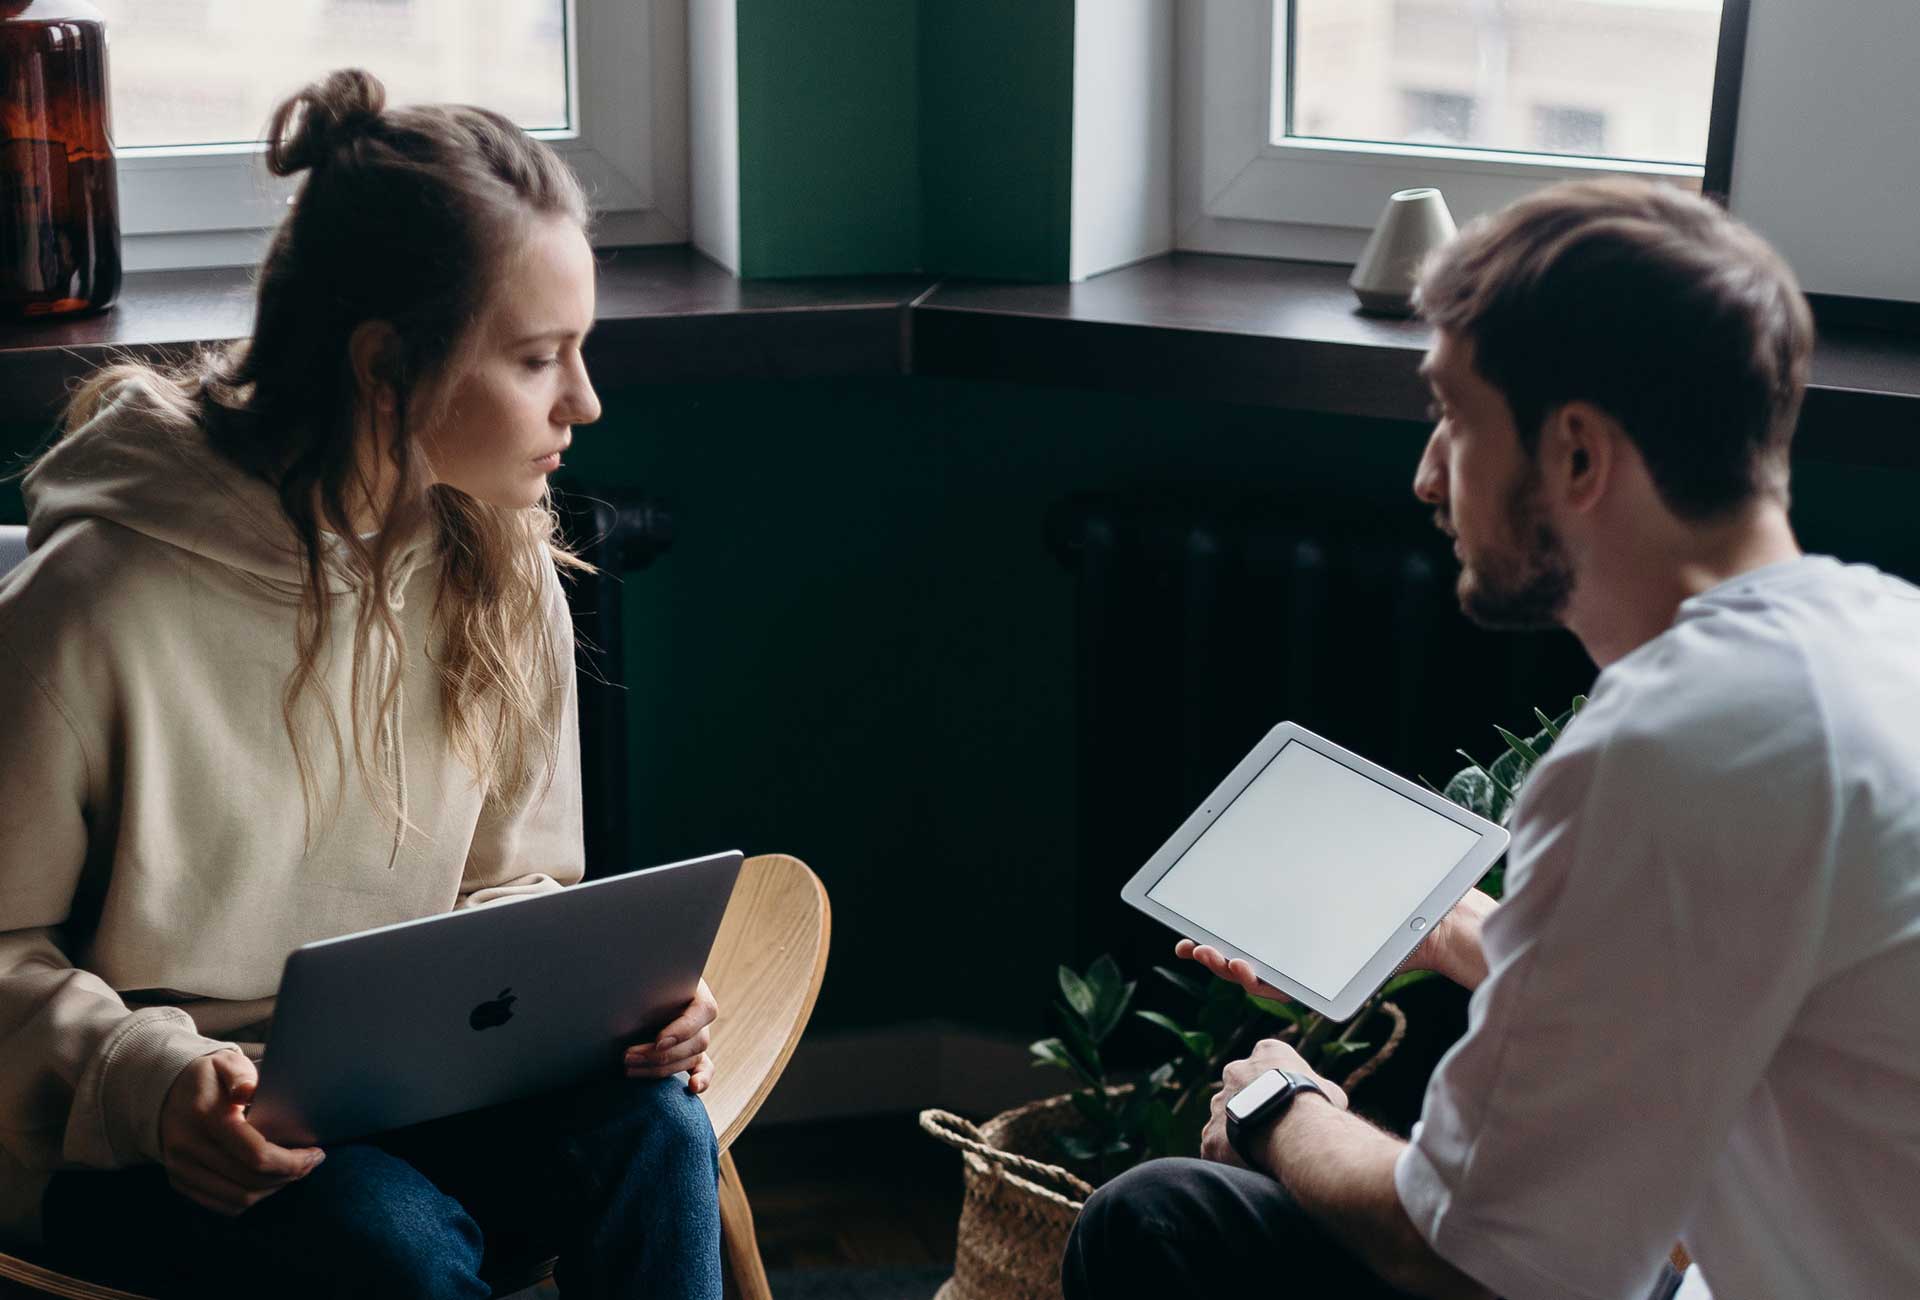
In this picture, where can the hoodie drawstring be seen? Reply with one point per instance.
(393, 736)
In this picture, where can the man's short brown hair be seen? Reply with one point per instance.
(1650, 303)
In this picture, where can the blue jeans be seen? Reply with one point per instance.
(618, 1178)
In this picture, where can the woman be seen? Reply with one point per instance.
(290, 659)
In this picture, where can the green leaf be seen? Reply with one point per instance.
(1191, 985)
(1106, 1015)
(1497, 783)
(1093, 1109)
(1156, 1129)
(1579, 703)
(1405, 979)
(1050, 1051)
(1076, 1147)
(1547, 725)
(1084, 1052)
(1518, 746)
(1336, 1049)
(1104, 976)
(1196, 1043)
(1078, 995)
(1508, 771)
(1221, 1013)
(1472, 790)
(1274, 1007)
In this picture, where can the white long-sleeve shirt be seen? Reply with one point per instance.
(1701, 1020)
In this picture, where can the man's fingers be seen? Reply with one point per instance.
(1184, 949)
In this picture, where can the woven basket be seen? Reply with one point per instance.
(1018, 1210)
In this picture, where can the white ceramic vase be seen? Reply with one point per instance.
(1414, 223)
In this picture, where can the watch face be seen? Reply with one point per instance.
(1248, 1101)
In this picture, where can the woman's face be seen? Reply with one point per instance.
(512, 411)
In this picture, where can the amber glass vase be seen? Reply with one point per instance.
(59, 203)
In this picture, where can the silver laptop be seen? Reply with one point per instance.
(426, 1018)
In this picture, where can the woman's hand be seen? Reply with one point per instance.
(682, 1045)
(213, 1156)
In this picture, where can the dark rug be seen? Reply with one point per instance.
(856, 1283)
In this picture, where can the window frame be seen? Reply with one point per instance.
(1317, 200)
(193, 206)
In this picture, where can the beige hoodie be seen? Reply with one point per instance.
(154, 869)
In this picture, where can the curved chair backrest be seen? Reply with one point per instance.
(13, 546)
(765, 972)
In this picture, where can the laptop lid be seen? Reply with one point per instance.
(448, 1013)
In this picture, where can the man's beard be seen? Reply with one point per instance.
(1526, 587)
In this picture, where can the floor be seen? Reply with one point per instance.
(843, 1194)
(852, 1209)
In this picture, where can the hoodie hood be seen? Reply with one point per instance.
(143, 462)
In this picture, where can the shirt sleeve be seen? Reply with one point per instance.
(531, 841)
(1661, 930)
(82, 1075)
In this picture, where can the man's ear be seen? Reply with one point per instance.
(374, 352)
(1578, 453)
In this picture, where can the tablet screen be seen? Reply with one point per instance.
(1313, 868)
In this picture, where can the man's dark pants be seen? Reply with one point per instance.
(1179, 1227)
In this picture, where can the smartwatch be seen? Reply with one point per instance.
(1260, 1104)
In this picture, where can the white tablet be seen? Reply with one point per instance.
(1321, 869)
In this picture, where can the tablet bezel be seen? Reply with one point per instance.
(1397, 944)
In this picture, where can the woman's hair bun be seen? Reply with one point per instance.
(307, 129)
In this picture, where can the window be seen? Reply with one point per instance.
(1437, 117)
(1579, 131)
(579, 73)
(1306, 114)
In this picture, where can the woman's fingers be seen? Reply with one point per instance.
(648, 1061)
(238, 1151)
(700, 1077)
(699, 1013)
(209, 1188)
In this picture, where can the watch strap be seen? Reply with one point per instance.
(1242, 1134)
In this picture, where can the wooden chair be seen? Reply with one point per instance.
(765, 971)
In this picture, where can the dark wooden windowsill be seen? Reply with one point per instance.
(1247, 330)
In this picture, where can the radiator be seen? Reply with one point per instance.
(1199, 624)
(618, 536)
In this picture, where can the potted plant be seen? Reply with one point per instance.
(1029, 1170)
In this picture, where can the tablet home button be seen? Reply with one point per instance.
(1417, 924)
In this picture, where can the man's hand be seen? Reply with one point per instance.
(1451, 948)
(213, 1156)
(682, 1045)
(1268, 1054)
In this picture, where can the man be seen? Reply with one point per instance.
(1694, 1015)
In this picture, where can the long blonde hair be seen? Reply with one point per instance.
(405, 217)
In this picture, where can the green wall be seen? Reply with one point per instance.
(996, 137)
(859, 649)
(829, 137)
(906, 135)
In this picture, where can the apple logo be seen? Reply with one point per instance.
(496, 1012)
